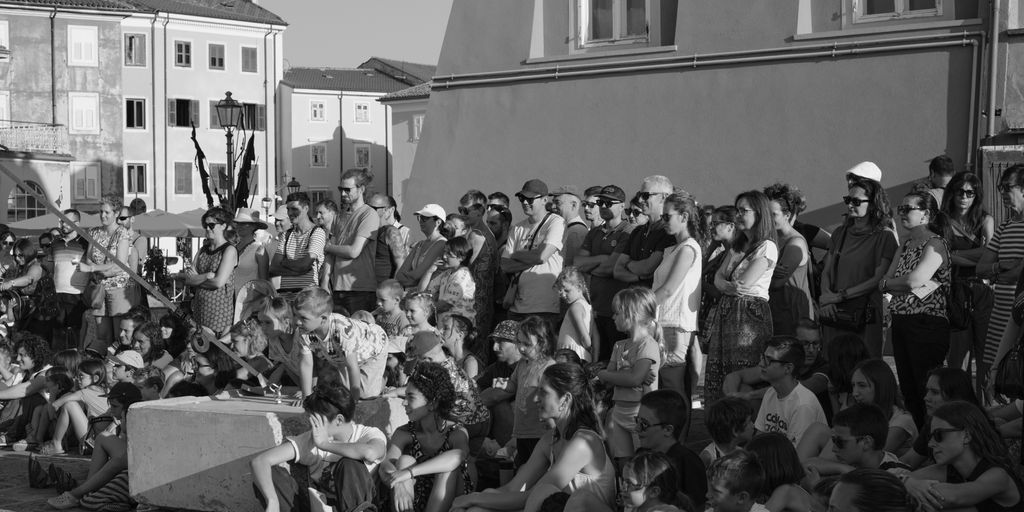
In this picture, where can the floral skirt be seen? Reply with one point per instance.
(738, 328)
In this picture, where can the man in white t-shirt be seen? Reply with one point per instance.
(340, 455)
(788, 407)
(533, 252)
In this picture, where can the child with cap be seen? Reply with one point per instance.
(493, 382)
(122, 365)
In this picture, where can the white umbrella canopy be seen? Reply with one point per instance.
(43, 223)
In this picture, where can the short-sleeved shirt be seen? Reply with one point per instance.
(646, 240)
(738, 263)
(358, 274)
(625, 355)
(307, 454)
(349, 336)
(109, 242)
(537, 284)
(296, 245)
(524, 382)
(66, 276)
(603, 241)
(859, 253)
(572, 239)
(791, 415)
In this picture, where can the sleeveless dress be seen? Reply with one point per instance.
(213, 308)
(601, 486)
(792, 301)
(425, 483)
(953, 477)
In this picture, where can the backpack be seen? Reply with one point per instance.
(47, 307)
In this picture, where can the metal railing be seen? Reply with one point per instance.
(33, 137)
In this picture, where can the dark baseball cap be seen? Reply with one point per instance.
(614, 193)
(124, 392)
(534, 188)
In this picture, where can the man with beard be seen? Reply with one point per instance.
(596, 258)
(351, 251)
(592, 212)
(68, 282)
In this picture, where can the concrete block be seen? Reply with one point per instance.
(193, 453)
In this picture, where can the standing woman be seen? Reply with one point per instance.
(213, 303)
(723, 232)
(791, 288)
(484, 262)
(253, 260)
(971, 228)
(1001, 263)
(742, 316)
(918, 280)
(107, 275)
(677, 288)
(862, 249)
(425, 253)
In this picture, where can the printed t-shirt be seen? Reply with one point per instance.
(349, 336)
(791, 415)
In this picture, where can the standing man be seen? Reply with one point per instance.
(497, 203)
(392, 247)
(647, 242)
(353, 248)
(533, 254)
(300, 250)
(940, 173)
(597, 257)
(592, 212)
(325, 214)
(566, 202)
(68, 282)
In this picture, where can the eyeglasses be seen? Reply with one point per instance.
(966, 193)
(647, 195)
(634, 212)
(642, 425)
(606, 203)
(812, 343)
(854, 201)
(378, 208)
(768, 361)
(211, 225)
(424, 218)
(525, 199)
(840, 441)
(1004, 188)
(743, 211)
(904, 209)
(939, 434)
(497, 207)
(590, 204)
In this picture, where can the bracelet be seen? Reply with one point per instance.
(411, 475)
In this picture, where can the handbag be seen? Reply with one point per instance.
(1009, 378)
(513, 286)
(960, 303)
(852, 314)
(94, 294)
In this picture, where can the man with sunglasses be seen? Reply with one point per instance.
(352, 247)
(648, 241)
(566, 202)
(596, 258)
(788, 407)
(591, 211)
(858, 441)
(392, 246)
(497, 202)
(534, 253)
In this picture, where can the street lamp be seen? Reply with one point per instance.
(267, 202)
(229, 113)
(293, 186)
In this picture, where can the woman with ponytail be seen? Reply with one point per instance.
(570, 458)
(918, 280)
(790, 292)
(677, 289)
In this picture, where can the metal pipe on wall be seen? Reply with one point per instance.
(167, 19)
(53, 68)
(152, 84)
(992, 70)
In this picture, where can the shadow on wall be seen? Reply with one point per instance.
(339, 153)
(65, 185)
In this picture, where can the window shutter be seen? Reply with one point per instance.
(92, 181)
(172, 112)
(261, 117)
(214, 120)
(193, 110)
(140, 50)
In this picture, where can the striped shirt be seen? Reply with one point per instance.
(295, 245)
(1007, 243)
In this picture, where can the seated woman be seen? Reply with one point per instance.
(25, 281)
(147, 341)
(32, 352)
(571, 457)
(77, 408)
(943, 385)
(971, 467)
(783, 473)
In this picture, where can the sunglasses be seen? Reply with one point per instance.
(606, 203)
(969, 194)
(904, 209)
(122, 219)
(378, 208)
(634, 212)
(424, 218)
(497, 207)
(642, 425)
(647, 195)
(854, 201)
(211, 225)
(939, 434)
(590, 204)
(527, 200)
(346, 189)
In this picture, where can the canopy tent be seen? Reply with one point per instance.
(158, 223)
(43, 223)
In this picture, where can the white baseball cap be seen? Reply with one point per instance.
(866, 170)
(432, 210)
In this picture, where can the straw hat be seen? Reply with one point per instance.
(249, 216)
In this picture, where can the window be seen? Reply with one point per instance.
(183, 178)
(22, 205)
(183, 54)
(83, 112)
(5, 40)
(219, 177)
(318, 155)
(315, 196)
(134, 49)
(135, 113)
(606, 22)
(883, 10)
(217, 56)
(136, 179)
(254, 117)
(182, 113)
(362, 112)
(250, 60)
(86, 179)
(362, 155)
(417, 127)
(82, 45)
(317, 111)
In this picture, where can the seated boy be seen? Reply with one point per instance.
(341, 456)
(356, 350)
(788, 407)
(121, 367)
(734, 483)
(388, 315)
(858, 441)
(659, 424)
(730, 422)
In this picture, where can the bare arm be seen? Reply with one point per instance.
(630, 378)
(679, 266)
(621, 270)
(645, 268)
(932, 259)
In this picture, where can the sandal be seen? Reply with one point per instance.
(50, 448)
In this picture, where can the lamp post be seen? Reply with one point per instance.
(293, 186)
(266, 202)
(229, 113)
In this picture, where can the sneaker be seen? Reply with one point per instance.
(63, 502)
(3, 440)
(50, 448)
(23, 445)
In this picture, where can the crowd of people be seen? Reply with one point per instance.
(551, 363)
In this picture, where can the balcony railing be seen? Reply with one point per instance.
(33, 137)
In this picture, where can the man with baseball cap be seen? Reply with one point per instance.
(566, 202)
(592, 212)
(597, 256)
(122, 364)
(533, 253)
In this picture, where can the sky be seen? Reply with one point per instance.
(345, 33)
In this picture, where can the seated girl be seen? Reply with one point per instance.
(284, 349)
(58, 384)
(943, 385)
(147, 341)
(425, 467)
(460, 339)
(650, 482)
(249, 343)
(340, 454)
(971, 466)
(33, 354)
(77, 408)
(451, 282)
(570, 457)
(783, 473)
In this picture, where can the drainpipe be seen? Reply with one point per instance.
(53, 68)
(167, 19)
(993, 69)
(972, 123)
(277, 133)
(387, 154)
(152, 122)
(266, 108)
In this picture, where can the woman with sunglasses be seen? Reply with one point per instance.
(7, 240)
(635, 213)
(213, 304)
(944, 385)
(971, 467)
(424, 253)
(918, 280)
(484, 262)
(862, 249)
(114, 281)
